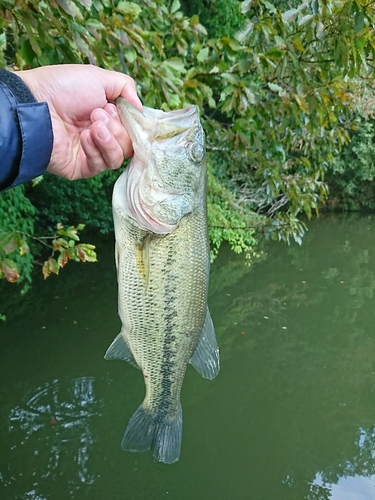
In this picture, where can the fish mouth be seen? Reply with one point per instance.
(157, 124)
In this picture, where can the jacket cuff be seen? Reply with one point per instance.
(37, 141)
(16, 85)
(26, 137)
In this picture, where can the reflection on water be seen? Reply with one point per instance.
(52, 429)
(350, 480)
(290, 417)
(347, 488)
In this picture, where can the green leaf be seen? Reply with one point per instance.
(70, 232)
(276, 88)
(274, 53)
(175, 6)
(290, 15)
(130, 54)
(305, 19)
(86, 3)
(70, 8)
(27, 51)
(129, 10)
(176, 65)
(360, 43)
(246, 5)
(95, 23)
(203, 54)
(33, 40)
(359, 20)
(297, 44)
(269, 6)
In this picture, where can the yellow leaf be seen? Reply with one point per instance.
(298, 45)
(302, 103)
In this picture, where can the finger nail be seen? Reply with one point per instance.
(104, 133)
(111, 110)
(100, 115)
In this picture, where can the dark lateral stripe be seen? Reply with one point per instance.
(169, 353)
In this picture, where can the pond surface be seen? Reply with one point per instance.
(290, 416)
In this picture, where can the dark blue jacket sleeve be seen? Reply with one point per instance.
(26, 136)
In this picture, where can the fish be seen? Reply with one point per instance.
(163, 264)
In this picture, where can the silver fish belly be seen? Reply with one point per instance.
(162, 258)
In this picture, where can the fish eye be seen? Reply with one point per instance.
(196, 151)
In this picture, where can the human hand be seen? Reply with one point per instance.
(88, 135)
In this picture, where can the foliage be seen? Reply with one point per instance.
(64, 242)
(18, 242)
(277, 98)
(226, 222)
(219, 17)
(13, 245)
(16, 216)
(61, 201)
(351, 179)
(284, 97)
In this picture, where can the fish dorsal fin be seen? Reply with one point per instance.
(119, 350)
(206, 358)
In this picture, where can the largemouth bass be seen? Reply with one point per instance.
(162, 259)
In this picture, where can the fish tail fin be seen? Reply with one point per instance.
(146, 431)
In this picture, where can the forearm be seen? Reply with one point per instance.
(26, 137)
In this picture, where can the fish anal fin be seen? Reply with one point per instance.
(119, 350)
(163, 437)
(206, 357)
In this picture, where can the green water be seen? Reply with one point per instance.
(290, 416)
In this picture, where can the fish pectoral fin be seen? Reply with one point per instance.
(119, 350)
(143, 260)
(146, 431)
(206, 357)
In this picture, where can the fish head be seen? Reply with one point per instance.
(167, 175)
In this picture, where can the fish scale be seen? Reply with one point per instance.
(155, 316)
(163, 284)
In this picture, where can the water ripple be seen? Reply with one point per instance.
(53, 427)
